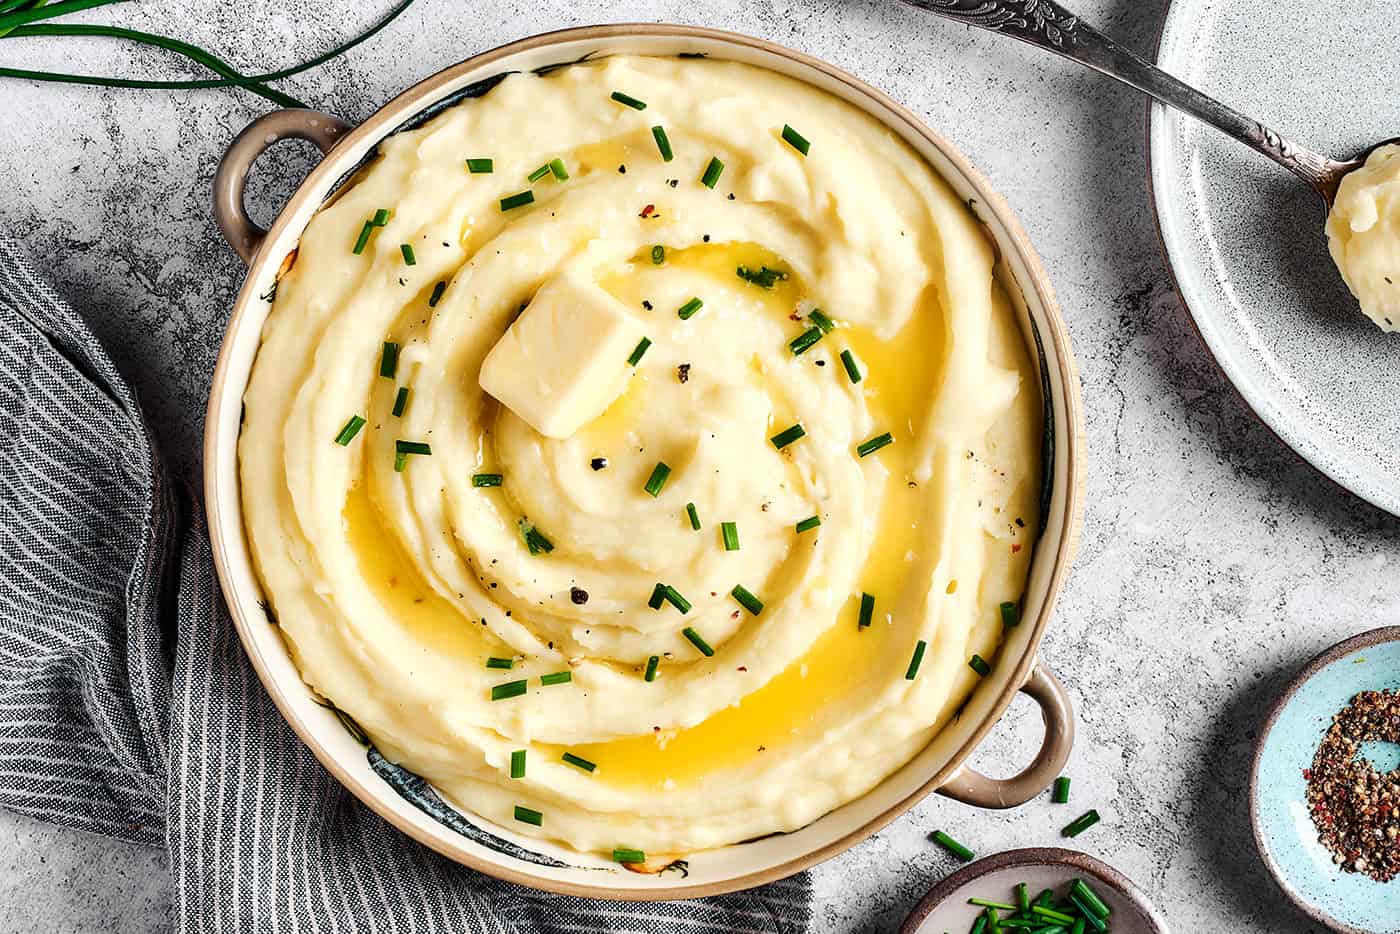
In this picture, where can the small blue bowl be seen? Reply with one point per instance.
(1349, 902)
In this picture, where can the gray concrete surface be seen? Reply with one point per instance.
(1213, 562)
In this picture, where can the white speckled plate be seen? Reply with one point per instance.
(1244, 237)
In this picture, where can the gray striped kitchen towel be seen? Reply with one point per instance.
(127, 706)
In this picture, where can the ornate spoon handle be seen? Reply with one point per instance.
(1050, 26)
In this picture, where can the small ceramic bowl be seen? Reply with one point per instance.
(1283, 829)
(945, 907)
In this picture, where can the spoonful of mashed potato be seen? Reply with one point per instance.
(1362, 194)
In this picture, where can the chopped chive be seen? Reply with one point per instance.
(821, 320)
(848, 360)
(487, 479)
(624, 855)
(517, 764)
(916, 661)
(362, 240)
(1086, 914)
(381, 217)
(504, 664)
(400, 462)
(663, 144)
(698, 641)
(1080, 824)
(712, 172)
(517, 200)
(866, 448)
(408, 258)
(628, 100)
(528, 815)
(867, 610)
(1023, 897)
(389, 360)
(980, 925)
(694, 516)
(979, 664)
(787, 436)
(437, 294)
(509, 689)
(987, 903)
(480, 166)
(556, 677)
(764, 277)
(747, 600)
(658, 255)
(400, 402)
(538, 174)
(804, 341)
(657, 480)
(534, 539)
(556, 168)
(1010, 615)
(658, 596)
(952, 846)
(795, 139)
(729, 532)
(688, 310)
(1079, 888)
(1061, 793)
(579, 761)
(1052, 914)
(673, 596)
(652, 664)
(351, 429)
(641, 349)
(412, 447)
(809, 523)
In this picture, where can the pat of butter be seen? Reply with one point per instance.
(564, 360)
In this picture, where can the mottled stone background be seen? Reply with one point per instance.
(1213, 562)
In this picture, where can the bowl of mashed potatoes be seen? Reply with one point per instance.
(643, 461)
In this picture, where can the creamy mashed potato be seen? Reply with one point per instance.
(468, 589)
(1363, 233)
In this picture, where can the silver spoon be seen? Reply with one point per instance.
(1050, 26)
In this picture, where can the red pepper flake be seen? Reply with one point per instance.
(647, 211)
(1015, 548)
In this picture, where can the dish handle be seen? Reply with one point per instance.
(972, 787)
(322, 130)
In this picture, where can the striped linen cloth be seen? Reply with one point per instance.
(127, 706)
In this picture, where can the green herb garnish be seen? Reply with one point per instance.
(556, 677)
(437, 294)
(517, 764)
(657, 480)
(579, 761)
(866, 448)
(1010, 614)
(688, 310)
(509, 689)
(363, 240)
(952, 846)
(848, 361)
(979, 664)
(693, 515)
(504, 664)
(698, 641)
(487, 479)
(351, 429)
(628, 100)
(538, 174)
(1061, 793)
(804, 341)
(916, 661)
(787, 436)
(746, 600)
(625, 855)
(400, 402)
(821, 320)
(764, 276)
(381, 217)
(389, 360)
(518, 200)
(673, 596)
(712, 173)
(528, 815)
(412, 447)
(809, 523)
(729, 534)
(652, 664)
(658, 255)
(408, 258)
(1080, 824)
(641, 349)
(556, 168)
(481, 166)
(867, 610)
(658, 596)
(795, 139)
(663, 144)
(534, 539)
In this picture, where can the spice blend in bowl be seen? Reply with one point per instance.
(1353, 803)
